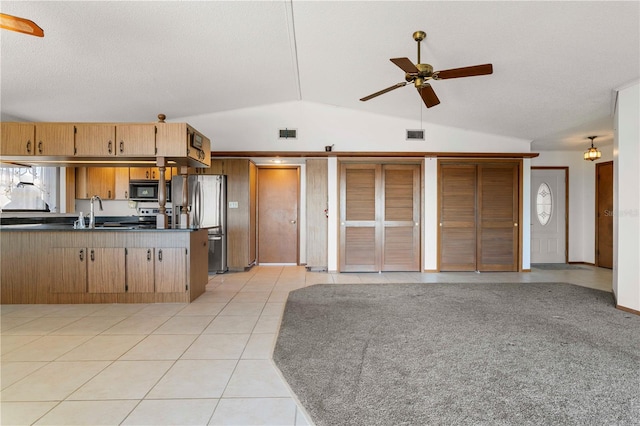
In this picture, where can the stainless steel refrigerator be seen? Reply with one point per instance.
(207, 208)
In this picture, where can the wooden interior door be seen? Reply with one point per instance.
(359, 227)
(401, 218)
(380, 217)
(478, 217)
(497, 238)
(457, 196)
(604, 214)
(278, 229)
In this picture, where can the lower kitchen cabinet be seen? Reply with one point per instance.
(159, 270)
(171, 270)
(89, 270)
(140, 270)
(72, 264)
(105, 270)
(86, 266)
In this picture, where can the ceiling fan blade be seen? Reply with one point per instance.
(464, 72)
(405, 64)
(21, 25)
(428, 95)
(383, 91)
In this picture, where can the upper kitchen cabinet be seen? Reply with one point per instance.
(39, 139)
(18, 139)
(136, 140)
(181, 141)
(95, 140)
(54, 139)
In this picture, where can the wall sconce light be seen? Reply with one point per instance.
(592, 154)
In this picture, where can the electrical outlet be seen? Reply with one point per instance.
(233, 204)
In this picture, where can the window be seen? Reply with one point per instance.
(28, 188)
(544, 204)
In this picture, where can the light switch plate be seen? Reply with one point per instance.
(233, 204)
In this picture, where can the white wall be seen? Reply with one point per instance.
(626, 220)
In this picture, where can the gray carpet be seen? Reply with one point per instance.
(461, 354)
(555, 266)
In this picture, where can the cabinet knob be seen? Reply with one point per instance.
(40, 147)
(110, 147)
(29, 146)
(160, 255)
(81, 254)
(148, 254)
(121, 147)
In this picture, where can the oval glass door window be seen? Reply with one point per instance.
(544, 204)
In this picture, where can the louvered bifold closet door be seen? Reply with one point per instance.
(497, 241)
(401, 218)
(359, 225)
(457, 243)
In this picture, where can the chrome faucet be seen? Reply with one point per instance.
(92, 217)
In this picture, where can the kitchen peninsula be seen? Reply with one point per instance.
(44, 260)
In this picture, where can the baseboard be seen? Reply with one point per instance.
(526, 270)
(624, 308)
(581, 263)
(430, 271)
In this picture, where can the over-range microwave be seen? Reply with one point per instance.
(146, 190)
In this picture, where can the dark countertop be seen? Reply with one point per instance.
(64, 222)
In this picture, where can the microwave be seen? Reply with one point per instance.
(146, 190)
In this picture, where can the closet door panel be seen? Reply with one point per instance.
(457, 217)
(359, 230)
(401, 218)
(497, 241)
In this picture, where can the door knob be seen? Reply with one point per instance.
(292, 221)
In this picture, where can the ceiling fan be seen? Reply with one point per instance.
(419, 74)
(21, 25)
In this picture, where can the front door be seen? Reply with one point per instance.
(604, 214)
(548, 216)
(278, 191)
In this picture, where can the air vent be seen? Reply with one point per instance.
(288, 133)
(415, 135)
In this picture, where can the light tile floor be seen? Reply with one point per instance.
(208, 362)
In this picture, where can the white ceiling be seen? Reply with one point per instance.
(556, 64)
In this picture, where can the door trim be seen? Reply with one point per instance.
(297, 168)
(566, 205)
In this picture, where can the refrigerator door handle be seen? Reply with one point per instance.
(197, 205)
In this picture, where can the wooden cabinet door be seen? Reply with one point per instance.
(17, 139)
(121, 183)
(140, 270)
(401, 218)
(139, 173)
(457, 217)
(95, 140)
(171, 270)
(135, 140)
(72, 270)
(497, 239)
(55, 139)
(101, 181)
(360, 228)
(106, 270)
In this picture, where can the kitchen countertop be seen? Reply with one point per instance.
(69, 227)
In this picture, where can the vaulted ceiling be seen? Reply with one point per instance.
(556, 64)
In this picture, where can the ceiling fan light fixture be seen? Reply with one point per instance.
(592, 154)
(20, 25)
